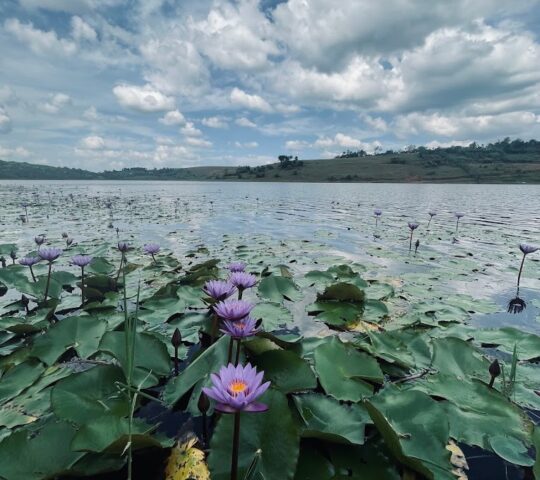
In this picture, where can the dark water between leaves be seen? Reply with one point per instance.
(473, 266)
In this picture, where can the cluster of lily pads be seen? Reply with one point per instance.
(353, 374)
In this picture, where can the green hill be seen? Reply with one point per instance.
(501, 162)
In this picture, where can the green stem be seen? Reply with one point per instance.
(48, 281)
(520, 270)
(410, 241)
(229, 356)
(82, 285)
(235, 447)
(214, 328)
(32, 273)
(457, 226)
(237, 359)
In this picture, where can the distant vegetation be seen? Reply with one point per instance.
(506, 161)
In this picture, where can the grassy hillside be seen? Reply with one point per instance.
(502, 162)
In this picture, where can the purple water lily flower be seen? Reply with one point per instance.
(123, 246)
(245, 327)
(81, 260)
(377, 212)
(242, 280)
(526, 248)
(233, 310)
(50, 254)
(151, 248)
(40, 240)
(413, 225)
(236, 267)
(219, 289)
(236, 389)
(29, 261)
(458, 215)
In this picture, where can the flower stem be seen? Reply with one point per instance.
(237, 359)
(32, 273)
(229, 356)
(410, 241)
(235, 447)
(214, 328)
(175, 361)
(48, 281)
(457, 226)
(82, 285)
(520, 270)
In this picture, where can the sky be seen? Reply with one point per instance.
(109, 84)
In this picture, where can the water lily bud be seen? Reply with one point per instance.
(176, 338)
(13, 254)
(258, 324)
(203, 404)
(495, 369)
(64, 235)
(24, 300)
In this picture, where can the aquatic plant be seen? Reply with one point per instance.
(30, 262)
(152, 249)
(13, 256)
(240, 329)
(242, 281)
(81, 261)
(233, 310)
(40, 240)
(377, 212)
(431, 214)
(526, 249)
(176, 341)
(458, 216)
(236, 390)
(218, 290)
(236, 267)
(412, 227)
(49, 255)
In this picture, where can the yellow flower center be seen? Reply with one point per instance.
(237, 387)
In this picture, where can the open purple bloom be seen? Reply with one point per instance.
(233, 310)
(377, 212)
(81, 260)
(29, 261)
(236, 389)
(50, 254)
(245, 327)
(123, 246)
(526, 249)
(459, 215)
(219, 289)
(151, 248)
(242, 280)
(413, 225)
(236, 267)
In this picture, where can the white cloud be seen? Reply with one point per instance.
(245, 100)
(214, 122)
(245, 122)
(93, 142)
(236, 36)
(91, 113)
(339, 140)
(69, 6)
(7, 95)
(55, 103)
(246, 144)
(297, 144)
(174, 117)
(39, 41)
(198, 142)
(189, 130)
(5, 121)
(82, 31)
(13, 152)
(142, 99)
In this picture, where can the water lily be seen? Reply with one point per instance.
(526, 249)
(236, 267)
(151, 249)
(242, 280)
(458, 215)
(245, 327)
(377, 212)
(218, 290)
(81, 261)
(30, 262)
(431, 214)
(236, 390)
(40, 240)
(233, 310)
(49, 255)
(412, 227)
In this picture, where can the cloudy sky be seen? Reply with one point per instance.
(103, 84)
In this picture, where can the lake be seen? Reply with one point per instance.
(458, 282)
